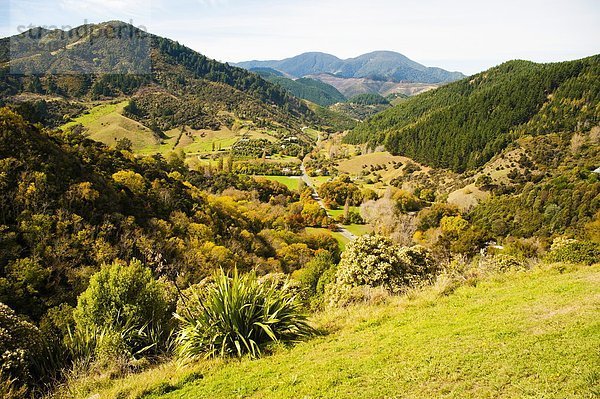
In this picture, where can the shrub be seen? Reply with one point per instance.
(21, 346)
(237, 315)
(503, 263)
(572, 251)
(375, 261)
(311, 277)
(311, 273)
(124, 302)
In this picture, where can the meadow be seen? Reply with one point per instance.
(521, 334)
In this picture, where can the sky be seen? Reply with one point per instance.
(463, 35)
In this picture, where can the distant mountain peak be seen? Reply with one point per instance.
(382, 65)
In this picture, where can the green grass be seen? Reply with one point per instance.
(334, 213)
(291, 182)
(358, 229)
(105, 123)
(342, 241)
(92, 115)
(520, 335)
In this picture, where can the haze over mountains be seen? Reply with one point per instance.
(383, 72)
(378, 65)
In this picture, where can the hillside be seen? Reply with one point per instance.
(463, 125)
(351, 87)
(504, 337)
(305, 88)
(378, 65)
(70, 204)
(72, 67)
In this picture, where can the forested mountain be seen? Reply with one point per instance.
(464, 124)
(378, 65)
(305, 88)
(73, 66)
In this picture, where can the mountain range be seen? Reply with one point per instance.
(381, 72)
(378, 65)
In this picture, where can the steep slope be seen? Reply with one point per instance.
(73, 65)
(463, 125)
(305, 88)
(378, 65)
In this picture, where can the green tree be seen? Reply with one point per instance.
(125, 297)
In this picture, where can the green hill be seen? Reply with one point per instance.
(464, 124)
(523, 334)
(305, 88)
(71, 66)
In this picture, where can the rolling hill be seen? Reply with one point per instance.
(464, 124)
(502, 337)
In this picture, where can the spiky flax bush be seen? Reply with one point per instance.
(238, 315)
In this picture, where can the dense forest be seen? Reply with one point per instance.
(305, 88)
(463, 125)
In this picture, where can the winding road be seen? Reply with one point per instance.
(306, 178)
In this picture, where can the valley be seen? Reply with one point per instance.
(304, 227)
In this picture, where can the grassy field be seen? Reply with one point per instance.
(334, 213)
(291, 182)
(358, 229)
(519, 335)
(105, 123)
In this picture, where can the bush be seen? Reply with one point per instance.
(21, 347)
(237, 315)
(572, 251)
(503, 263)
(375, 261)
(310, 277)
(124, 302)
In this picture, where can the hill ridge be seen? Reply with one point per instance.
(383, 64)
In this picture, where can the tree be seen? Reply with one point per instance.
(130, 179)
(376, 261)
(21, 346)
(123, 144)
(125, 298)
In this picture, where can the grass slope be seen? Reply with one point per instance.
(291, 182)
(519, 335)
(106, 123)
